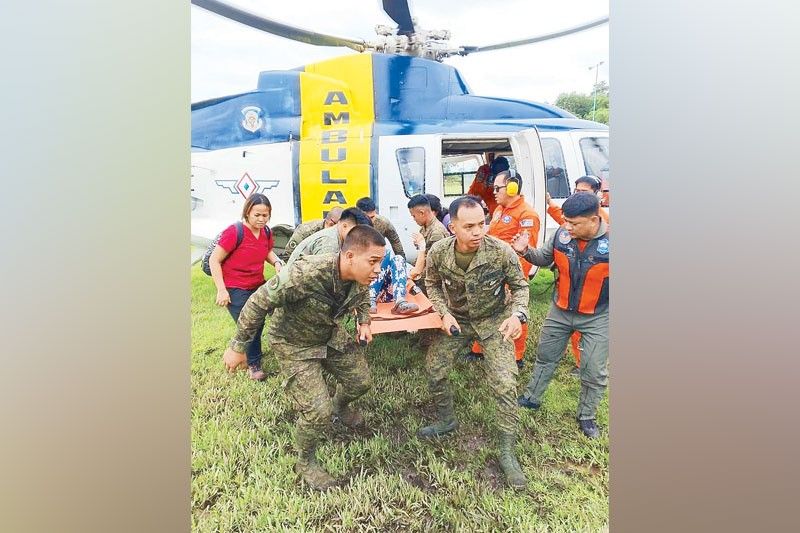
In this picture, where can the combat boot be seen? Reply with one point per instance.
(509, 464)
(350, 417)
(589, 428)
(445, 424)
(309, 469)
(313, 474)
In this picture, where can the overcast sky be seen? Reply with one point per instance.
(227, 56)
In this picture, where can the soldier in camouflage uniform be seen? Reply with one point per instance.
(382, 224)
(308, 298)
(307, 229)
(431, 230)
(330, 239)
(466, 275)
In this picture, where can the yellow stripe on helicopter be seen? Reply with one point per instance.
(336, 134)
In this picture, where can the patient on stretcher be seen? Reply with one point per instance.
(391, 285)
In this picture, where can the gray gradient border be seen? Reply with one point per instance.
(703, 433)
(95, 321)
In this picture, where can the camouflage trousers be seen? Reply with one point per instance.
(304, 384)
(499, 366)
(558, 327)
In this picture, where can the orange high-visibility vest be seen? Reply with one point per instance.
(582, 283)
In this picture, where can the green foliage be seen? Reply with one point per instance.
(601, 115)
(242, 477)
(576, 103)
(580, 104)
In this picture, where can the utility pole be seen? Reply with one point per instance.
(594, 89)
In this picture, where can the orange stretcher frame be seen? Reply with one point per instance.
(426, 318)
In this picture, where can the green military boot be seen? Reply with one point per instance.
(509, 464)
(350, 417)
(445, 424)
(307, 466)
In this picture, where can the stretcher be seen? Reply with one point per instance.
(426, 318)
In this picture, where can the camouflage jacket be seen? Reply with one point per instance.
(434, 231)
(322, 242)
(477, 295)
(309, 299)
(300, 233)
(386, 229)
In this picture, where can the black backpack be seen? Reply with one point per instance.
(239, 236)
(206, 256)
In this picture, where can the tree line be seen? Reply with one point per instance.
(580, 104)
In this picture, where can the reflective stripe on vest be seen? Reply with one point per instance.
(582, 283)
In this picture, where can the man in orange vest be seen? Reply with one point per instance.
(580, 250)
(512, 216)
(583, 184)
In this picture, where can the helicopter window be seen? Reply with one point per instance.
(458, 173)
(595, 156)
(555, 169)
(411, 162)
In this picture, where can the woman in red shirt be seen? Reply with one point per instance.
(238, 271)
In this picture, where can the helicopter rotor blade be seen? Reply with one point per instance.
(277, 28)
(537, 39)
(399, 12)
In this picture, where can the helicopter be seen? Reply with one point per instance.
(389, 122)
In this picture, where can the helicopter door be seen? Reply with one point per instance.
(529, 161)
(407, 165)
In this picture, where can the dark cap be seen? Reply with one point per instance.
(498, 165)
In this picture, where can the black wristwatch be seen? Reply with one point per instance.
(521, 316)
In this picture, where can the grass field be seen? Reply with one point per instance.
(242, 477)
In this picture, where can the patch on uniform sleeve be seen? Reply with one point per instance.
(273, 282)
(496, 216)
(527, 223)
(563, 237)
(506, 219)
(602, 246)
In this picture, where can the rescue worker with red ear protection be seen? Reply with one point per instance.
(512, 216)
(580, 250)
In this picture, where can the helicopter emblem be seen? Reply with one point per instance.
(252, 121)
(247, 185)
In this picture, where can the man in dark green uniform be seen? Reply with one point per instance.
(466, 278)
(329, 240)
(382, 224)
(309, 298)
(431, 230)
(307, 229)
